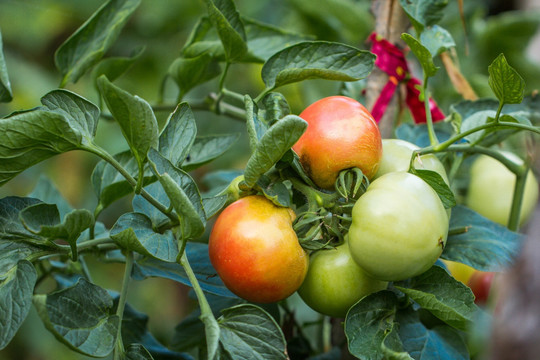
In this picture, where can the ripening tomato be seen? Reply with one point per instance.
(459, 271)
(481, 283)
(399, 227)
(341, 134)
(397, 157)
(491, 190)
(334, 282)
(255, 250)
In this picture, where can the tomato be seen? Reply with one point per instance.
(397, 157)
(255, 250)
(491, 190)
(341, 134)
(459, 271)
(334, 282)
(399, 227)
(480, 283)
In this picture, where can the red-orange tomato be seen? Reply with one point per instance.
(256, 252)
(341, 134)
(480, 283)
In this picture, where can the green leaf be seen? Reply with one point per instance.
(183, 194)
(16, 288)
(44, 220)
(423, 55)
(275, 107)
(137, 352)
(208, 148)
(11, 252)
(89, 43)
(438, 184)
(255, 127)
(226, 20)
(212, 205)
(11, 227)
(135, 116)
(505, 82)
(134, 231)
(6, 95)
(80, 317)
(437, 40)
(239, 325)
(190, 72)
(392, 347)
(178, 136)
(109, 185)
(368, 323)
(48, 193)
(422, 343)
(272, 146)
(423, 13)
(65, 122)
(445, 297)
(481, 243)
(114, 67)
(277, 192)
(316, 60)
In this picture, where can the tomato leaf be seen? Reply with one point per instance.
(277, 192)
(423, 55)
(226, 20)
(505, 82)
(481, 243)
(89, 43)
(190, 72)
(255, 127)
(134, 231)
(437, 40)
(272, 146)
(275, 107)
(368, 323)
(438, 184)
(81, 317)
(114, 67)
(135, 117)
(178, 136)
(48, 193)
(137, 352)
(204, 271)
(16, 288)
(441, 294)
(11, 227)
(316, 60)
(237, 326)
(208, 148)
(6, 95)
(422, 343)
(424, 13)
(213, 204)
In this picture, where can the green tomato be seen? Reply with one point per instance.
(334, 282)
(397, 157)
(491, 190)
(399, 227)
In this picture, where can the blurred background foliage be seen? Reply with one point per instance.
(32, 30)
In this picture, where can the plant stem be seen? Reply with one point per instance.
(93, 242)
(429, 120)
(119, 346)
(498, 114)
(223, 76)
(114, 163)
(519, 190)
(315, 198)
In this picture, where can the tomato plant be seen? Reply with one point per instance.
(399, 227)
(254, 140)
(334, 282)
(491, 189)
(341, 134)
(255, 250)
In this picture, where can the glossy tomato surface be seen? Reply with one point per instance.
(491, 190)
(335, 282)
(399, 227)
(341, 134)
(255, 250)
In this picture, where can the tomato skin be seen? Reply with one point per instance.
(399, 227)
(335, 282)
(397, 157)
(255, 250)
(459, 271)
(341, 134)
(491, 189)
(480, 283)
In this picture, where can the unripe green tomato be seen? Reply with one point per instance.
(334, 282)
(397, 157)
(399, 227)
(341, 134)
(491, 190)
(255, 250)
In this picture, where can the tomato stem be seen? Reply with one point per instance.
(429, 121)
(119, 346)
(519, 190)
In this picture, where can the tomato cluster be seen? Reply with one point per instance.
(398, 226)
